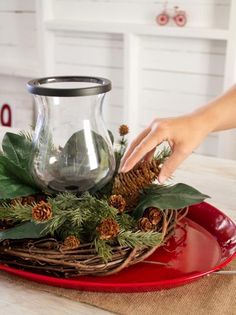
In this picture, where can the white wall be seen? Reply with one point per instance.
(97, 55)
(170, 72)
(201, 13)
(18, 51)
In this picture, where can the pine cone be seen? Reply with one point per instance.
(28, 200)
(42, 211)
(107, 229)
(129, 184)
(145, 225)
(154, 215)
(123, 130)
(117, 202)
(71, 242)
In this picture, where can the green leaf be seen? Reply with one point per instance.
(17, 148)
(168, 197)
(16, 171)
(16, 179)
(26, 230)
(11, 187)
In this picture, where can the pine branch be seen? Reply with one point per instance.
(163, 154)
(16, 213)
(64, 201)
(139, 238)
(66, 231)
(86, 211)
(103, 249)
(126, 222)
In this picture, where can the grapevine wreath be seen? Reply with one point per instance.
(93, 233)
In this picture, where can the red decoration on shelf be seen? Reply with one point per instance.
(5, 115)
(178, 16)
(163, 18)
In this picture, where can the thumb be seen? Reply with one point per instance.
(171, 164)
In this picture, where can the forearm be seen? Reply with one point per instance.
(220, 114)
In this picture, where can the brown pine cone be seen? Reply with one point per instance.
(123, 130)
(145, 225)
(154, 215)
(131, 183)
(42, 211)
(117, 202)
(107, 229)
(70, 242)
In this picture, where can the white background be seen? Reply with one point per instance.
(156, 71)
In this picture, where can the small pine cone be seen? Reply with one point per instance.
(70, 242)
(107, 229)
(154, 215)
(117, 202)
(145, 225)
(42, 211)
(123, 130)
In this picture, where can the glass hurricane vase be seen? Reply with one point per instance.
(73, 150)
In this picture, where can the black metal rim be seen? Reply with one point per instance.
(36, 87)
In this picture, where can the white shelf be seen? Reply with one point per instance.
(18, 69)
(139, 29)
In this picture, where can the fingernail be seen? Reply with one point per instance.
(162, 179)
(123, 169)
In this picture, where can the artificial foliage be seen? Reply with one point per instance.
(96, 232)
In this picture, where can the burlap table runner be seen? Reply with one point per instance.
(214, 294)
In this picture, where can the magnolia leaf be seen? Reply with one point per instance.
(17, 148)
(25, 230)
(76, 150)
(11, 187)
(168, 197)
(16, 179)
(17, 172)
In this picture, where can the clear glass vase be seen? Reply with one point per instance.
(73, 150)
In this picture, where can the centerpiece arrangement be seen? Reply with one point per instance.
(64, 208)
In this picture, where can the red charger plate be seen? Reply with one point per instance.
(204, 243)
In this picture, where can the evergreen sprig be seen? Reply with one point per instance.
(126, 222)
(16, 212)
(163, 154)
(139, 238)
(78, 213)
(103, 248)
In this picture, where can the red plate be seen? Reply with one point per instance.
(205, 243)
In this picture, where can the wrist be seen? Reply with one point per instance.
(203, 122)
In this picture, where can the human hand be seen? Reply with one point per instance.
(183, 134)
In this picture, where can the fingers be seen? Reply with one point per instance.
(170, 165)
(146, 145)
(132, 146)
(149, 156)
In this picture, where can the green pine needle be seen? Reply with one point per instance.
(16, 213)
(162, 155)
(103, 249)
(126, 222)
(139, 238)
